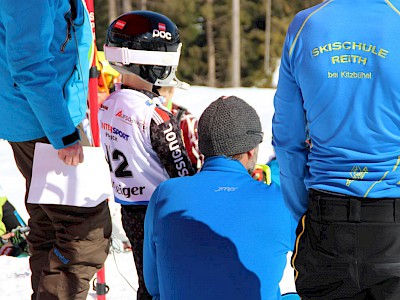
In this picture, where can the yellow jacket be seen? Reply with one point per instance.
(3, 229)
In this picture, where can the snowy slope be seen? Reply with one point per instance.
(15, 273)
(196, 99)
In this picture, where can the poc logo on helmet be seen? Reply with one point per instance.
(162, 34)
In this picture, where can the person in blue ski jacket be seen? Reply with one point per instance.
(219, 234)
(44, 63)
(339, 90)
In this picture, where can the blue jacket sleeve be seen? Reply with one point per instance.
(289, 136)
(29, 27)
(149, 249)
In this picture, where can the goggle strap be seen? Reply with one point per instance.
(128, 56)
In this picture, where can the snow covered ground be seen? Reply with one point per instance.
(119, 267)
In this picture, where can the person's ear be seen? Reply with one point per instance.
(250, 153)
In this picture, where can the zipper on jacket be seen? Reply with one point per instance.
(69, 21)
(69, 78)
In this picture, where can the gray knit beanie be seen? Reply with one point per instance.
(229, 126)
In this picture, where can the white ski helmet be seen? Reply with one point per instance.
(147, 44)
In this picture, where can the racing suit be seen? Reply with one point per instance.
(143, 146)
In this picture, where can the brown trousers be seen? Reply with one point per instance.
(68, 244)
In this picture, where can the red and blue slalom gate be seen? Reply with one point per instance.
(101, 287)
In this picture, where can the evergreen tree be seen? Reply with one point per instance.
(191, 17)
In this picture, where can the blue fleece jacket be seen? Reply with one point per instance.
(44, 76)
(219, 234)
(339, 86)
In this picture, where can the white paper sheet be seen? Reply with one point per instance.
(53, 182)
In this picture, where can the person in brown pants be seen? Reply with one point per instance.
(45, 65)
(68, 244)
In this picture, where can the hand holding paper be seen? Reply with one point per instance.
(54, 182)
(72, 155)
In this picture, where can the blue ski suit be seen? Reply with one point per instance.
(339, 88)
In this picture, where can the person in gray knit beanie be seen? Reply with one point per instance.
(231, 231)
(229, 126)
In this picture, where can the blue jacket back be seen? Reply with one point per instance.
(216, 235)
(339, 87)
